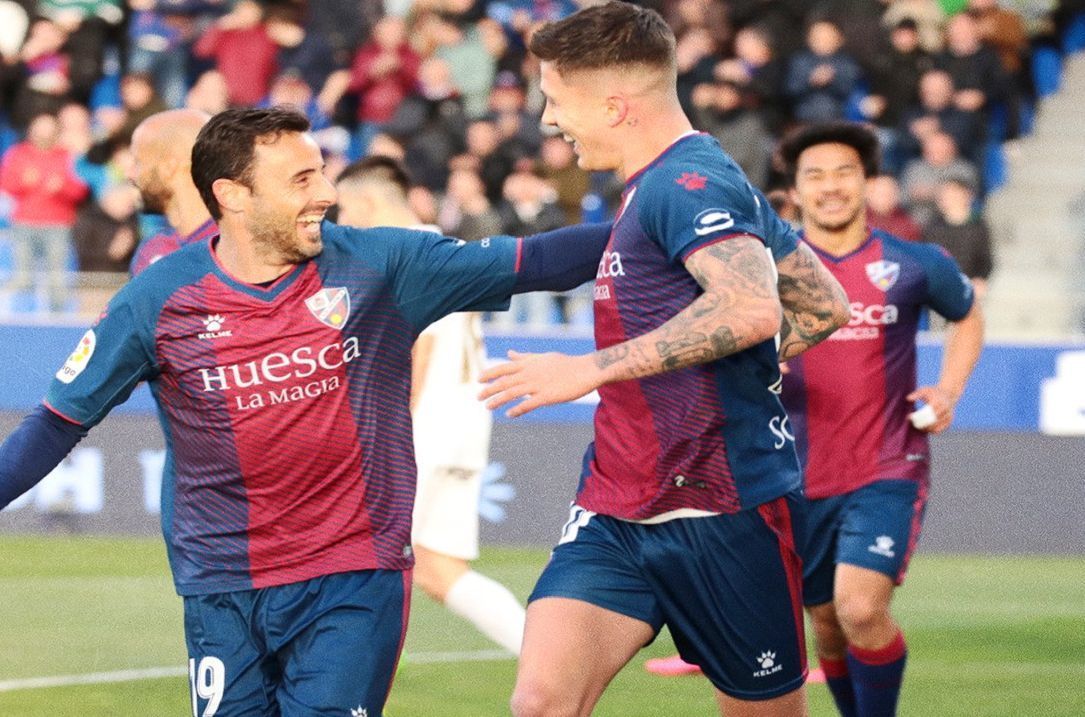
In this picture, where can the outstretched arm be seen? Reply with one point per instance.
(962, 350)
(34, 449)
(813, 301)
(738, 309)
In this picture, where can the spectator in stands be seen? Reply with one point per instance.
(307, 54)
(465, 211)
(42, 74)
(430, 123)
(494, 163)
(39, 176)
(471, 66)
(718, 110)
(778, 20)
(962, 231)
(209, 93)
(821, 78)
(571, 183)
(884, 210)
(1003, 30)
(894, 83)
(106, 233)
(242, 51)
(384, 71)
(978, 78)
(935, 112)
(922, 177)
(760, 75)
(695, 55)
(518, 130)
(159, 36)
(928, 17)
(290, 88)
(89, 25)
(140, 100)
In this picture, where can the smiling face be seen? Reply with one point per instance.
(288, 198)
(577, 106)
(830, 186)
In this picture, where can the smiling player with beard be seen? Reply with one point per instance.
(279, 355)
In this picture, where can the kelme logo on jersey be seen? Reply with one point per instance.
(883, 274)
(213, 323)
(331, 307)
(711, 221)
(79, 358)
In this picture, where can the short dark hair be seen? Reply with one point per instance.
(377, 168)
(612, 35)
(857, 136)
(226, 146)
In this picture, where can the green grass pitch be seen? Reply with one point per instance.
(988, 636)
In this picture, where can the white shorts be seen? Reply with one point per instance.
(446, 511)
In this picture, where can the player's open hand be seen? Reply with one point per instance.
(941, 401)
(539, 379)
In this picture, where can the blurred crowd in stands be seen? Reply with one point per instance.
(447, 86)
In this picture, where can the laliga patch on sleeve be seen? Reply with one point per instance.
(79, 358)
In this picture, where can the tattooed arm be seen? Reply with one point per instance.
(814, 302)
(738, 309)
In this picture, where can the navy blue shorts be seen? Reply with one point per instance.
(324, 646)
(726, 586)
(875, 527)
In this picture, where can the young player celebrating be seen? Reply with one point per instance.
(852, 404)
(688, 507)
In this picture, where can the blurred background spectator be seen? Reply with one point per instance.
(448, 87)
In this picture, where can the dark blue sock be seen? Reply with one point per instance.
(876, 676)
(839, 682)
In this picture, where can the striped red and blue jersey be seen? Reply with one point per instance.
(702, 439)
(160, 245)
(846, 396)
(285, 408)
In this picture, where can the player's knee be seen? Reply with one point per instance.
(860, 614)
(539, 700)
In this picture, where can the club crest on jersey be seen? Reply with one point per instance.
(330, 307)
(692, 181)
(711, 221)
(77, 362)
(883, 274)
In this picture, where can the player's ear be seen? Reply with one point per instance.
(617, 110)
(232, 196)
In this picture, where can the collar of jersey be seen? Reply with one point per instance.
(266, 293)
(837, 259)
(677, 140)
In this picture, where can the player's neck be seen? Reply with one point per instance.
(186, 212)
(838, 242)
(241, 260)
(647, 138)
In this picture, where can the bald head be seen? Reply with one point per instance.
(162, 154)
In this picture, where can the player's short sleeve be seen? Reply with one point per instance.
(690, 211)
(110, 359)
(433, 275)
(949, 291)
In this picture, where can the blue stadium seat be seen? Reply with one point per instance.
(1046, 70)
(1073, 39)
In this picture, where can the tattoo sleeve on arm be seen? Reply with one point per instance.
(814, 303)
(738, 309)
